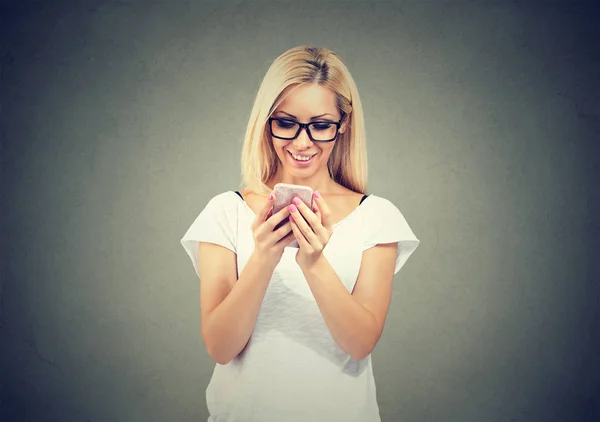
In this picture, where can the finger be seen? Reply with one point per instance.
(302, 242)
(282, 231)
(316, 210)
(300, 222)
(263, 214)
(315, 233)
(289, 238)
(323, 209)
(321, 230)
(313, 220)
(277, 218)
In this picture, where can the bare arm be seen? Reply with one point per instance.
(229, 307)
(355, 319)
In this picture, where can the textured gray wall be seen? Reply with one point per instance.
(121, 120)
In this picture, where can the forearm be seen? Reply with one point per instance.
(352, 326)
(229, 326)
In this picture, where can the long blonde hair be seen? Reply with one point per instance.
(347, 163)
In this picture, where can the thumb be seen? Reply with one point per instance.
(315, 209)
(267, 210)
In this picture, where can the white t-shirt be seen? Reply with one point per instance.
(292, 369)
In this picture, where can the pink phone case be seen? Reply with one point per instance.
(284, 193)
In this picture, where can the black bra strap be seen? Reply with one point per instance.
(240, 195)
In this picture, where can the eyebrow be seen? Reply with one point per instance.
(312, 118)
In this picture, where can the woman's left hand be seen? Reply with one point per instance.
(312, 229)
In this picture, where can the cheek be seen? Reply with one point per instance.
(280, 150)
(277, 147)
(326, 152)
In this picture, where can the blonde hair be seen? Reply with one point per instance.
(347, 163)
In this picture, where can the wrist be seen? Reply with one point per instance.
(263, 260)
(310, 267)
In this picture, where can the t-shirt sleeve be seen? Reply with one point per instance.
(215, 224)
(388, 225)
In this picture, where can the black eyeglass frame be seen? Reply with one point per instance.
(305, 126)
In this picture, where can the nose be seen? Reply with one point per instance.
(303, 140)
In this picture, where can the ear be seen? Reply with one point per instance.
(345, 124)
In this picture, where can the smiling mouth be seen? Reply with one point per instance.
(305, 160)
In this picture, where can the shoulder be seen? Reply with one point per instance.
(376, 203)
(385, 219)
(216, 223)
(225, 204)
(221, 210)
(224, 199)
(382, 213)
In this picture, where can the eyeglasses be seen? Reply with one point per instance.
(321, 131)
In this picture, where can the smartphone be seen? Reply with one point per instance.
(284, 193)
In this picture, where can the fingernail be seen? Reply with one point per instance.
(317, 195)
(292, 208)
(296, 201)
(271, 196)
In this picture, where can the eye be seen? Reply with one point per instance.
(322, 125)
(285, 124)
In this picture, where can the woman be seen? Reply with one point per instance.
(292, 329)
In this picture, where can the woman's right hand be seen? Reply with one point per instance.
(270, 244)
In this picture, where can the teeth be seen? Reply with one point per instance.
(299, 158)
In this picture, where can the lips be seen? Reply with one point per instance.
(302, 155)
(300, 163)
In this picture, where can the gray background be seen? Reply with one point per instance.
(120, 120)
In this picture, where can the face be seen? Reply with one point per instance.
(307, 103)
